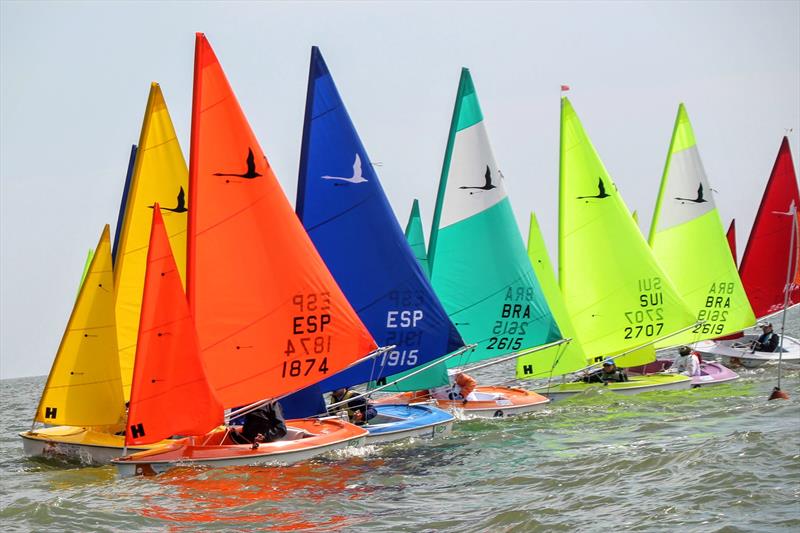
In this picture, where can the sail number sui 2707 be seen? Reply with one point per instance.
(309, 345)
(648, 319)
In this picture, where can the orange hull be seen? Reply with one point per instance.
(507, 401)
(306, 438)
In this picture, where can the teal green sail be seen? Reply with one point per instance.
(689, 242)
(614, 289)
(565, 358)
(479, 266)
(416, 238)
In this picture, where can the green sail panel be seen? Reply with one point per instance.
(479, 266)
(565, 358)
(614, 290)
(416, 238)
(690, 244)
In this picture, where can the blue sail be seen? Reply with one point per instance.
(125, 189)
(343, 207)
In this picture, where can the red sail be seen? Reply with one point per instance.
(765, 260)
(270, 318)
(169, 393)
(732, 240)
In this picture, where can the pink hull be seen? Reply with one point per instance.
(711, 373)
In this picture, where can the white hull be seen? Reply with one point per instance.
(144, 467)
(85, 453)
(504, 411)
(738, 352)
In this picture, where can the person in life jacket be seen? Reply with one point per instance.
(460, 388)
(608, 374)
(768, 341)
(265, 424)
(358, 410)
(687, 362)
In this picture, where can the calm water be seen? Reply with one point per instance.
(713, 459)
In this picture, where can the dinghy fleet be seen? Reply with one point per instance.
(217, 298)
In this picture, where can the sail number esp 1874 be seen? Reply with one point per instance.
(311, 348)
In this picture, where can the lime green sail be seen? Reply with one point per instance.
(689, 242)
(566, 357)
(416, 238)
(479, 268)
(86, 265)
(635, 216)
(614, 290)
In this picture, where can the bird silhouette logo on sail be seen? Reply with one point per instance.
(488, 186)
(251, 168)
(601, 191)
(179, 208)
(698, 200)
(356, 177)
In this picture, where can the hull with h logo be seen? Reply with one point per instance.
(305, 438)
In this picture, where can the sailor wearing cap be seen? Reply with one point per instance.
(768, 341)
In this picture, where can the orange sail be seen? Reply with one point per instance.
(170, 394)
(270, 318)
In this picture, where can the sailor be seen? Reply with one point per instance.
(768, 341)
(265, 424)
(687, 362)
(358, 410)
(461, 388)
(608, 374)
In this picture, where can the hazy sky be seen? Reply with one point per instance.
(74, 79)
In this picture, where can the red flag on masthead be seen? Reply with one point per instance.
(564, 88)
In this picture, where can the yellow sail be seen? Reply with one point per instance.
(84, 386)
(615, 292)
(689, 242)
(159, 175)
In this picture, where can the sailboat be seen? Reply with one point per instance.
(763, 268)
(156, 173)
(351, 223)
(270, 319)
(617, 297)
(479, 268)
(82, 399)
(416, 237)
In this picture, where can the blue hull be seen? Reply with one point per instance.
(395, 421)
